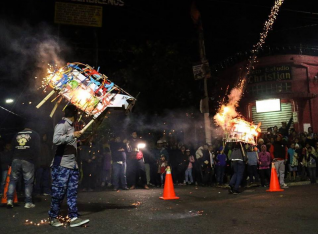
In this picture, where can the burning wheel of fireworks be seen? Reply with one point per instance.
(86, 88)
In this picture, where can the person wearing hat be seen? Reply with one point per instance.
(26, 147)
(279, 155)
(64, 168)
(156, 155)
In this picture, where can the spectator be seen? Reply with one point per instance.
(42, 172)
(65, 173)
(135, 164)
(284, 129)
(311, 164)
(220, 166)
(199, 154)
(119, 150)
(188, 172)
(279, 155)
(89, 164)
(252, 159)
(264, 159)
(260, 143)
(181, 165)
(293, 161)
(26, 147)
(5, 162)
(156, 154)
(162, 166)
(106, 168)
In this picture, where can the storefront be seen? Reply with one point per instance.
(280, 87)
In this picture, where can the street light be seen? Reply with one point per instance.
(9, 100)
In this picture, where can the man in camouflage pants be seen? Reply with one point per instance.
(65, 173)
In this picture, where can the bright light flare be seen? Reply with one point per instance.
(141, 145)
(9, 100)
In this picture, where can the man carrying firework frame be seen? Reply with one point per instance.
(65, 172)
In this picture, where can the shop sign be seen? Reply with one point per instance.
(270, 74)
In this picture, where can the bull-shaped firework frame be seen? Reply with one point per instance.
(87, 89)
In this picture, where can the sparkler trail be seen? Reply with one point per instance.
(227, 112)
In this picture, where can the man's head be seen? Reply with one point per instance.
(70, 112)
(187, 151)
(210, 147)
(117, 139)
(292, 145)
(159, 144)
(310, 130)
(205, 146)
(134, 134)
(284, 124)
(279, 137)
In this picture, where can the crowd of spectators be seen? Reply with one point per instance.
(128, 162)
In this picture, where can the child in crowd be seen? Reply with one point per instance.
(252, 159)
(162, 166)
(293, 160)
(188, 172)
(220, 166)
(264, 161)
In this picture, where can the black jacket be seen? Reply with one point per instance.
(26, 145)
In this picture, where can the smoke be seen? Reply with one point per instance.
(26, 51)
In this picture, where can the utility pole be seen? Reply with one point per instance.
(204, 104)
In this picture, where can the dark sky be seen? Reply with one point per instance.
(230, 27)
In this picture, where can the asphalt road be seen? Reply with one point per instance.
(199, 210)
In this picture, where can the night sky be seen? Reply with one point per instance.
(146, 46)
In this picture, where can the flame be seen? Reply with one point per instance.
(235, 127)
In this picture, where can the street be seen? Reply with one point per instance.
(199, 210)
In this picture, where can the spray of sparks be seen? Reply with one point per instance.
(227, 116)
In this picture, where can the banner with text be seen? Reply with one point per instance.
(78, 14)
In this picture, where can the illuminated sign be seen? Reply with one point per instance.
(267, 105)
(268, 74)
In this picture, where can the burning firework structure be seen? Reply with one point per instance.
(236, 128)
(86, 88)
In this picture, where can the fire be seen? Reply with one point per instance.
(236, 128)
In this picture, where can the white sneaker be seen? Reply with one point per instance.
(29, 205)
(10, 204)
(55, 222)
(75, 222)
(284, 186)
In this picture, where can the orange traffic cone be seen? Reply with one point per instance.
(4, 197)
(274, 184)
(168, 190)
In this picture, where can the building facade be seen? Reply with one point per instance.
(278, 88)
